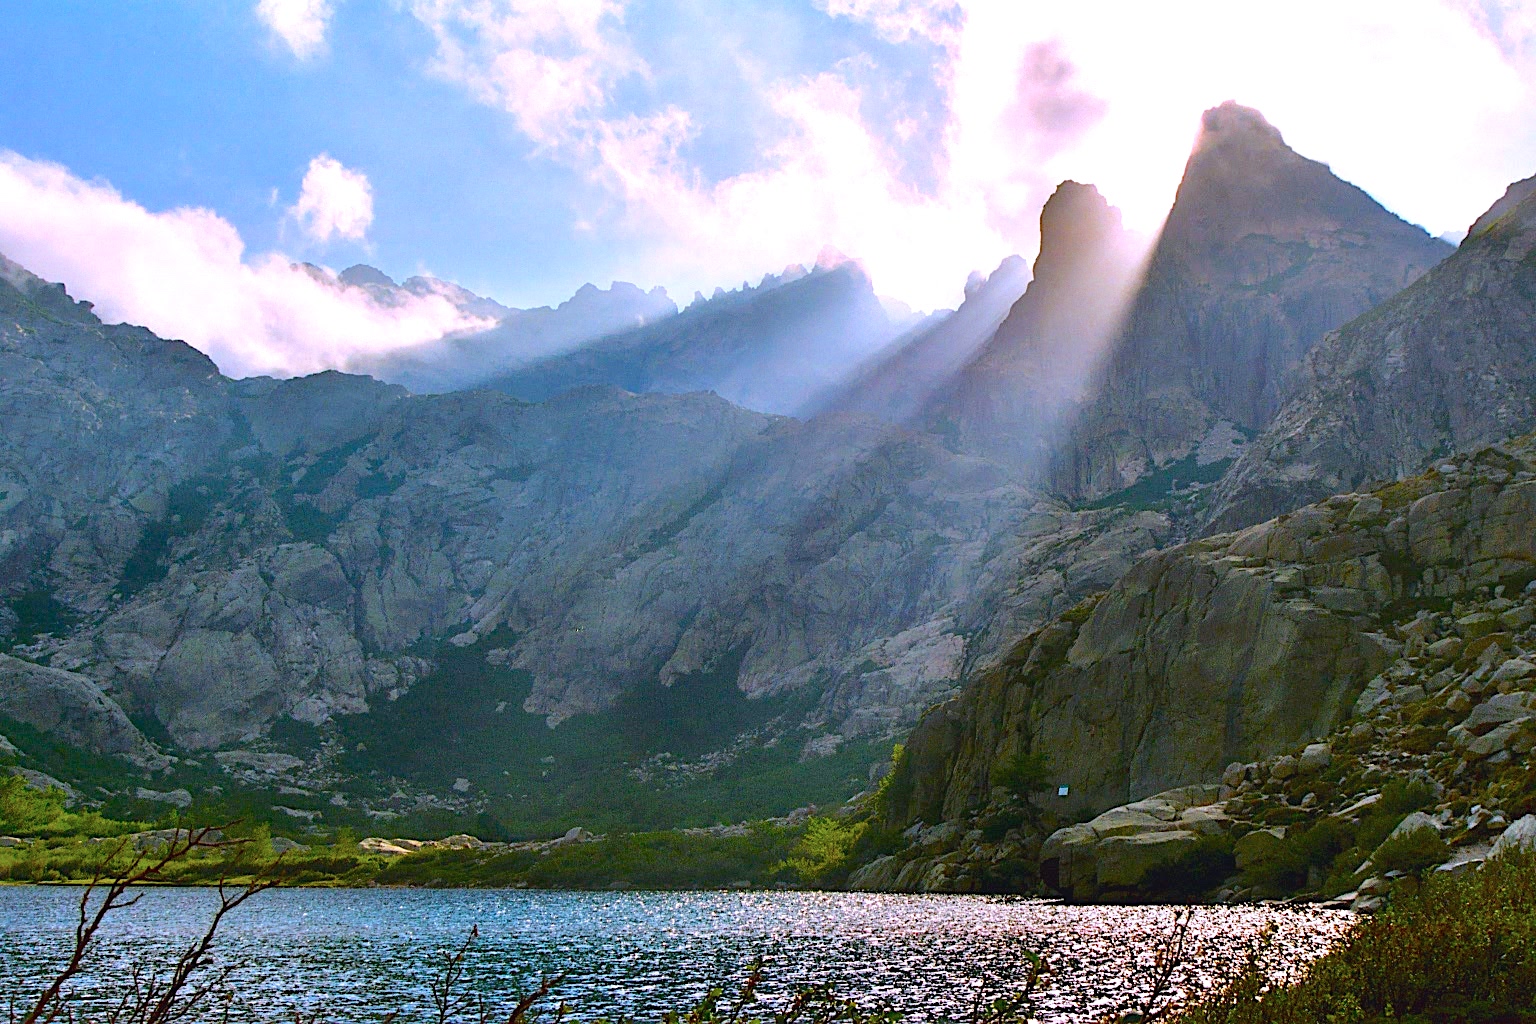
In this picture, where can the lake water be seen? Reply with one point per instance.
(354, 954)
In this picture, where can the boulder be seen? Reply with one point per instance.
(1258, 846)
(1123, 862)
(175, 797)
(879, 875)
(1208, 820)
(1376, 693)
(1315, 758)
(159, 838)
(1499, 709)
(1519, 836)
(1445, 650)
(70, 708)
(1068, 864)
(1515, 670)
(382, 847)
(1183, 797)
(1283, 768)
(1125, 821)
(911, 876)
(1415, 822)
(1478, 624)
(1515, 736)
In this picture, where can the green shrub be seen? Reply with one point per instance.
(1198, 871)
(1411, 852)
(823, 854)
(1404, 796)
(1289, 868)
(1459, 951)
(1024, 774)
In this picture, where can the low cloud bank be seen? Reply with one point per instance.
(185, 274)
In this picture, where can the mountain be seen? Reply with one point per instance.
(1239, 648)
(322, 568)
(520, 336)
(900, 381)
(101, 421)
(1446, 365)
(1263, 252)
(774, 348)
(1008, 400)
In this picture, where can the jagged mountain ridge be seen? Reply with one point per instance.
(775, 348)
(1263, 252)
(1445, 365)
(901, 381)
(520, 336)
(1009, 400)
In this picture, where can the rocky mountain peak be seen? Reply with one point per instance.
(1514, 201)
(1232, 126)
(362, 275)
(1446, 364)
(20, 285)
(1263, 253)
(1078, 229)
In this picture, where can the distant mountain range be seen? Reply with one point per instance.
(386, 584)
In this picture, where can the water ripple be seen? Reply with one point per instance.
(354, 953)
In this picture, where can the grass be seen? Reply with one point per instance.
(649, 860)
(74, 846)
(766, 855)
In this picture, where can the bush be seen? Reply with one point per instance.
(1199, 870)
(1411, 852)
(822, 856)
(1291, 865)
(1024, 774)
(1460, 951)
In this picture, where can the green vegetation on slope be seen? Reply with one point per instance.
(1458, 951)
(650, 762)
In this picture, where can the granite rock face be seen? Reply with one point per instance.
(70, 708)
(1444, 366)
(1012, 398)
(1229, 648)
(100, 423)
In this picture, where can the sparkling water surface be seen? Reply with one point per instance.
(355, 954)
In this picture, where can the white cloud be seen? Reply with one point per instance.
(184, 274)
(299, 24)
(334, 202)
(900, 20)
(1428, 104)
(548, 63)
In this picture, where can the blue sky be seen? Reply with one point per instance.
(170, 159)
(196, 104)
